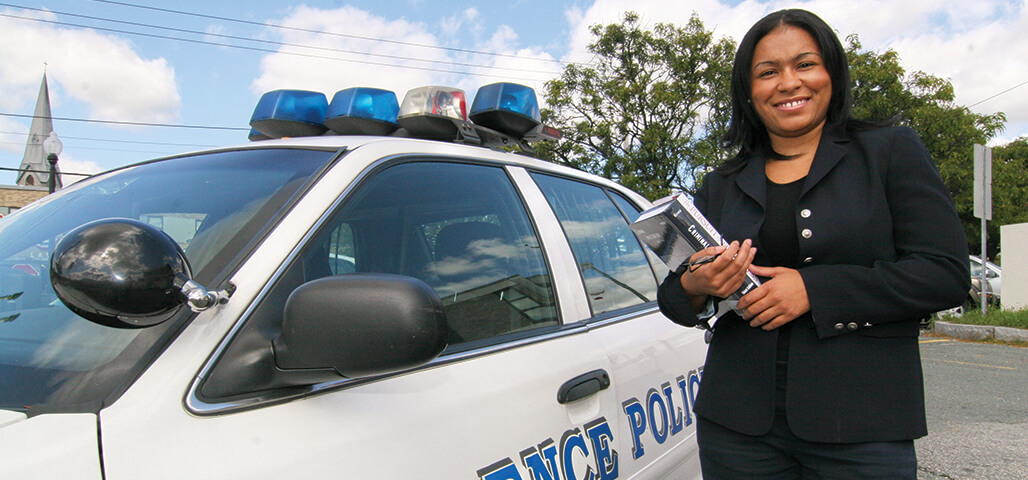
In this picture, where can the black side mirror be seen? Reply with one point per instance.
(359, 325)
(124, 273)
(120, 273)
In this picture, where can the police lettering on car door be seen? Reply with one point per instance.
(661, 414)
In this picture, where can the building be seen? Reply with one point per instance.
(34, 172)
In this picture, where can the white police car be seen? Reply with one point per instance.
(344, 307)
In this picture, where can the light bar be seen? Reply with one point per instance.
(430, 111)
(290, 113)
(363, 111)
(506, 107)
(255, 136)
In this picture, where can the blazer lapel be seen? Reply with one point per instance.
(830, 151)
(752, 180)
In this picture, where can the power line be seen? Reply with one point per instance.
(258, 49)
(45, 171)
(1000, 93)
(272, 42)
(139, 142)
(137, 124)
(69, 147)
(321, 32)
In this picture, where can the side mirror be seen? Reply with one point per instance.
(124, 273)
(360, 325)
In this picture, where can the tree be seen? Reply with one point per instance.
(883, 90)
(1010, 180)
(649, 112)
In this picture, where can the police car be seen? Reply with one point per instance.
(333, 305)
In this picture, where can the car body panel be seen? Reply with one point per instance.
(49, 446)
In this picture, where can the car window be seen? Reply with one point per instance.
(460, 228)
(611, 261)
(631, 212)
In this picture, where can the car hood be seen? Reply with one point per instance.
(49, 446)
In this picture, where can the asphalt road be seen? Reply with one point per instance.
(977, 400)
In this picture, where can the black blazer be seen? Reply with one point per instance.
(882, 246)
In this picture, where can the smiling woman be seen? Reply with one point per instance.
(796, 380)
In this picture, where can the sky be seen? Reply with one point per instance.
(194, 70)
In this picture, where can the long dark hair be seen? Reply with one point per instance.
(745, 129)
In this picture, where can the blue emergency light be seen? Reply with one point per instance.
(256, 136)
(363, 111)
(290, 113)
(506, 107)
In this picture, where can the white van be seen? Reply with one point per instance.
(340, 307)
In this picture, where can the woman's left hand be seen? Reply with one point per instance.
(777, 301)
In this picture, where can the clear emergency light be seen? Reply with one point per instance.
(363, 111)
(430, 111)
(290, 113)
(507, 107)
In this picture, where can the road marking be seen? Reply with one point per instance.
(935, 341)
(977, 364)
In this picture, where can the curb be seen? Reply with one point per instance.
(980, 332)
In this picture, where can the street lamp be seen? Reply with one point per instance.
(52, 146)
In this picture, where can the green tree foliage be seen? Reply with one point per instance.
(883, 90)
(649, 110)
(1009, 187)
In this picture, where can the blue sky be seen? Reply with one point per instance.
(97, 70)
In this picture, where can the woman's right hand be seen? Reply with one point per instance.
(721, 277)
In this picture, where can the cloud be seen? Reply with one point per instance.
(282, 70)
(72, 165)
(452, 25)
(103, 72)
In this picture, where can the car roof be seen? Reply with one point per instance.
(403, 145)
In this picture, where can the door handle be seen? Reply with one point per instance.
(582, 386)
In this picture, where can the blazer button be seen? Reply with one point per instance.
(805, 213)
(808, 260)
(852, 326)
(806, 233)
(839, 326)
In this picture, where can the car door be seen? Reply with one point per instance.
(487, 408)
(655, 365)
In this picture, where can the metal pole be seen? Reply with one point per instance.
(982, 273)
(52, 182)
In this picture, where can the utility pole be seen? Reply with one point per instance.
(983, 207)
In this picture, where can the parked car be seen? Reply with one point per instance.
(338, 305)
(993, 275)
(975, 294)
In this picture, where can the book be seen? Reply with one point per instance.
(675, 229)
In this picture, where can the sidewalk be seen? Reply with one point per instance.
(979, 332)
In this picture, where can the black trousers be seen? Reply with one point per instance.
(728, 455)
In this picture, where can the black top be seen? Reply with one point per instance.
(781, 248)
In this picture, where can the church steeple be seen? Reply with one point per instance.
(34, 164)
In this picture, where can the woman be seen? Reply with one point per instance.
(855, 237)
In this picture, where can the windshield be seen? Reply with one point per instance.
(212, 205)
